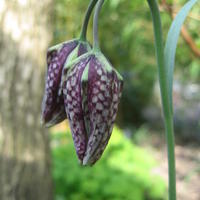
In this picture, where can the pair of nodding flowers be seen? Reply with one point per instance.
(82, 85)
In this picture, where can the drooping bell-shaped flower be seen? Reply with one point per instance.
(92, 89)
(58, 56)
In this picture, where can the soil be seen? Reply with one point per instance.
(187, 166)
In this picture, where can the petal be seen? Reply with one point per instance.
(117, 87)
(103, 99)
(52, 108)
(73, 106)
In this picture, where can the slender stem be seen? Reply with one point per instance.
(86, 19)
(168, 115)
(95, 24)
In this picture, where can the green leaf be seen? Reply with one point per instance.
(171, 44)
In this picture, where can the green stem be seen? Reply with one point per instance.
(95, 25)
(86, 19)
(168, 115)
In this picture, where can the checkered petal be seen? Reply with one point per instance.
(92, 89)
(53, 110)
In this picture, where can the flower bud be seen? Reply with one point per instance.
(91, 90)
(58, 56)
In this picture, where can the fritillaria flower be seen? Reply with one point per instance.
(82, 84)
(58, 56)
(92, 90)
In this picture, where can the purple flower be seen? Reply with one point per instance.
(92, 89)
(58, 56)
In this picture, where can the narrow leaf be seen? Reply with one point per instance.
(171, 44)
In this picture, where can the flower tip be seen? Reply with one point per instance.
(44, 123)
(48, 125)
(86, 161)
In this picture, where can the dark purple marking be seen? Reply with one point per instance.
(83, 48)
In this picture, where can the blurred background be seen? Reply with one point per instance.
(36, 163)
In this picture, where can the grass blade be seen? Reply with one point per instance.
(171, 44)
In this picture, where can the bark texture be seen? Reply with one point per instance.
(24, 145)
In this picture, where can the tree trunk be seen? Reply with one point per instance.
(24, 144)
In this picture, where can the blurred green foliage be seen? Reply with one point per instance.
(123, 172)
(126, 38)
